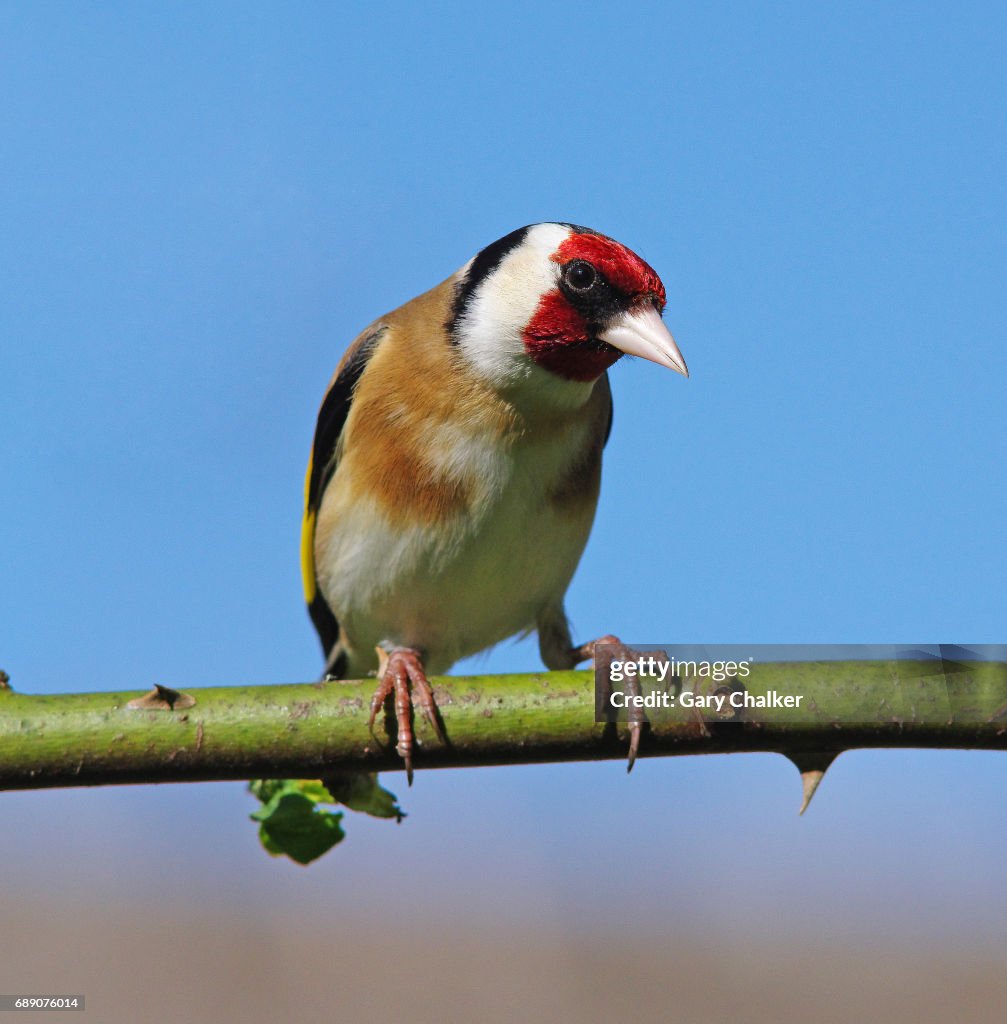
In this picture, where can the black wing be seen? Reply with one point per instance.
(324, 457)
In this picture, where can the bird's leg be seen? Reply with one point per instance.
(617, 650)
(397, 670)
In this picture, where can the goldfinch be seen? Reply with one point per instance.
(456, 462)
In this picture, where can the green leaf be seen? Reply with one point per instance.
(291, 823)
(360, 792)
(313, 789)
(266, 789)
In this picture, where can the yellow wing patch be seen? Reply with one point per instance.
(308, 541)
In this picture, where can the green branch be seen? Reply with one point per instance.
(310, 730)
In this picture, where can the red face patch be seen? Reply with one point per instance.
(622, 268)
(557, 339)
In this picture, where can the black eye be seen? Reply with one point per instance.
(580, 275)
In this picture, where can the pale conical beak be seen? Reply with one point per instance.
(644, 334)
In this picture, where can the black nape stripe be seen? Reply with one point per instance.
(579, 229)
(482, 266)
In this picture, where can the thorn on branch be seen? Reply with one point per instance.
(812, 767)
(809, 784)
(162, 698)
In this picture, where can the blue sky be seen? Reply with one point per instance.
(202, 204)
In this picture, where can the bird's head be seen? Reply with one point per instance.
(555, 305)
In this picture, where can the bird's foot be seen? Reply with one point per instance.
(398, 670)
(602, 652)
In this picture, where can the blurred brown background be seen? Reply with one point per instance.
(523, 894)
(171, 960)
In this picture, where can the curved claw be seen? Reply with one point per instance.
(400, 670)
(637, 717)
(635, 729)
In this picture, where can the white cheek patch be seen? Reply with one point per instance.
(490, 333)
